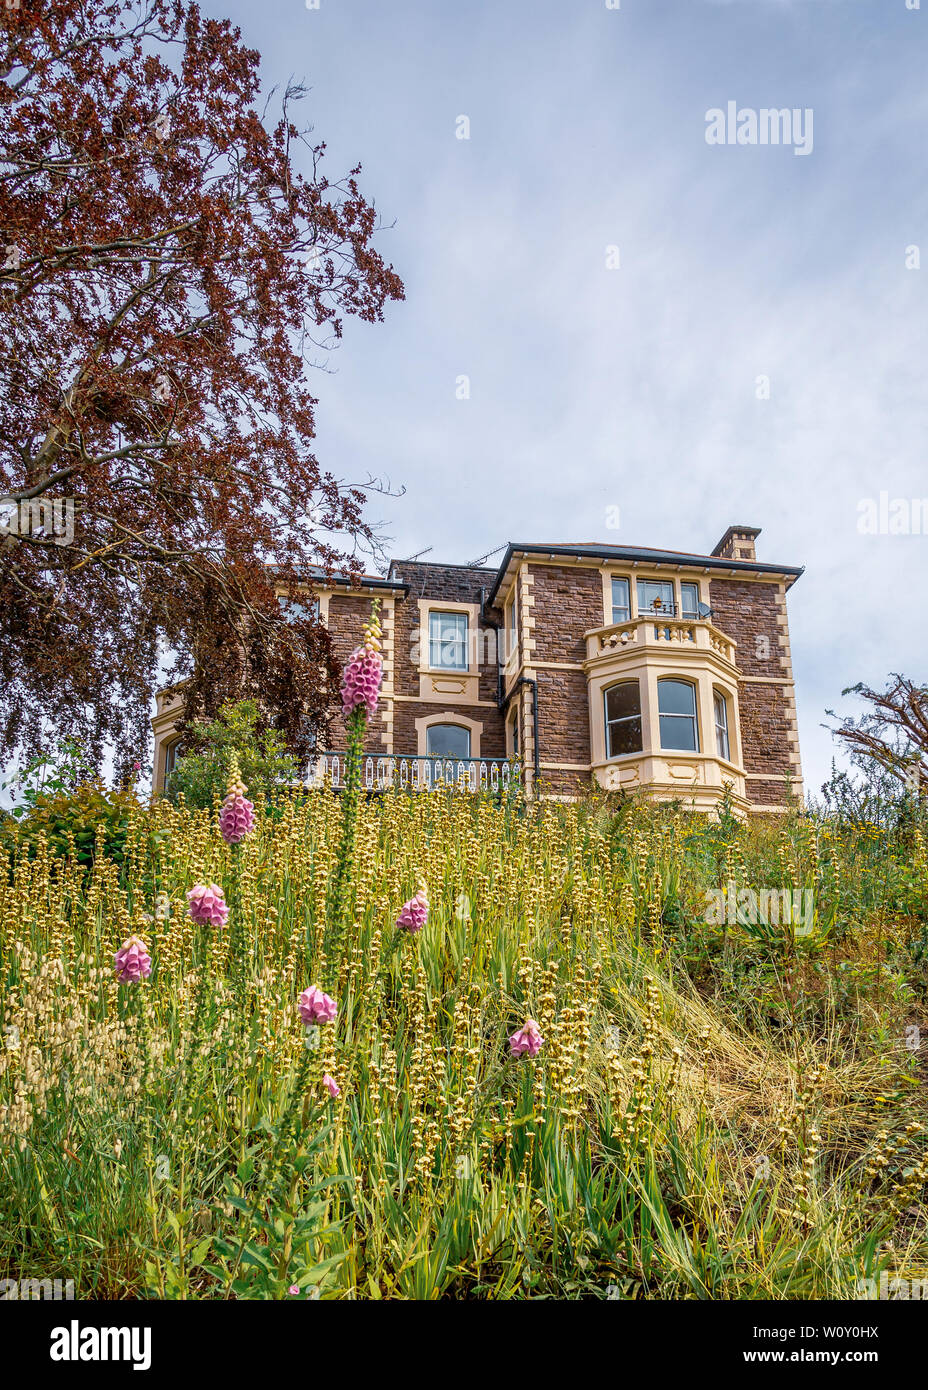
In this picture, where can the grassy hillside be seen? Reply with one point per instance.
(725, 1108)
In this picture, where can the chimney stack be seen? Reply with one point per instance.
(738, 543)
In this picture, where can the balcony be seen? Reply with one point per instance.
(660, 634)
(388, 771)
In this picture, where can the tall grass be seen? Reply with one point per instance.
(729, 1111)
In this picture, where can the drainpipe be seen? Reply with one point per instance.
(497, 628)
(502, 702)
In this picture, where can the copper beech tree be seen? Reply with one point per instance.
(172, 262)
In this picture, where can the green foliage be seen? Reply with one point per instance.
(201, 774)
(46, 774)
(72, 821)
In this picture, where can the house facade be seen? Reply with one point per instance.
(569, 665)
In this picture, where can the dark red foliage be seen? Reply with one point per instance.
(165, 277)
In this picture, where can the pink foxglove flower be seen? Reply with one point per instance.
(316, 1007)
(132, 962)
(206, 903)
(415, 913)
(331, 1085)
(237, 816)
(527, 1040)
(363, 673)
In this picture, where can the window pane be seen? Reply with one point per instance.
(296, 611)
(448, 741)
(448, 640)
(689, 594)
(623, 737)
(655, 595)
(676, 697)
(623, 701)
(510, 635)
(676, 703)
(721, 725)
(620, 608)
(678, 733)
(623, 719)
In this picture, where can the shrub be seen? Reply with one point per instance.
(201, 774)
(67, 817)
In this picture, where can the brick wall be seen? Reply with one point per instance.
(347, 615)
(752, 614)
(563, 717)
(456, 584)
(568, 602)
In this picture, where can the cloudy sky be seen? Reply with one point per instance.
(640, 387)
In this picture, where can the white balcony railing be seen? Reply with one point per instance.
(383, 771)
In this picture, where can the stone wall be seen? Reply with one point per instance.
(394, 729)
(754, 614)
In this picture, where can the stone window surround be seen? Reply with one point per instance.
(427, 606)
(447, 717)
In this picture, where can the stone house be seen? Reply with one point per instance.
(634, 668)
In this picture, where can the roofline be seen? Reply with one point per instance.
(316, 574)
(369, 582)
(445, 565)
(637, 553)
